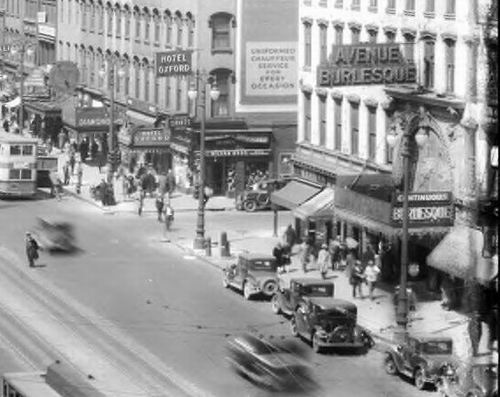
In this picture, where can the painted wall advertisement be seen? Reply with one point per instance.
(268, 68)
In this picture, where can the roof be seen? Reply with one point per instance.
(30, 384)
(16, 138)
(256, 256)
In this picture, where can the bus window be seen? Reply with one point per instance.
(25, 174)
(27, 150)
(15, 150)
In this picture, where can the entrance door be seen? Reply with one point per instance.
(217, 177)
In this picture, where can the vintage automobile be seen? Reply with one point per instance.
(329, 323)
(420, 358)
(259, 197)
(55, 234)
(291, 293)
(253, 274)
(269, 365)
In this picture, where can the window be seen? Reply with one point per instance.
(137, 81)
(409, 48)
(355, 5)
(355, 36)
(168, 23)
(372, 132)
(14, 174)
(157, 29)
(168, 92)
(110, 21)
(127, 25)
(410, 8)
(17, 174)
(220, 24)
(101, 19)
(322, 120)
(118, 29)
(354, 128)
(390, 37)
(70, 7)
(178, 95)
(146, 82)
(391, 7)
(450, 9)
(84, 16)
(373, 6)
(179, 32)
(429, 64)
(157, 92)
(62, 10)
(389, 153)
(372, 36)
(15, 150)
(339, 32)
(137, 26)
(221, 106)
(339, 4)
(191, 33)
(429, 6)
(307, 44)
(337, 114)
(450, 65)
(307, 117)
(322, 43)
(92, 17)
(126, 84)
(147, 27)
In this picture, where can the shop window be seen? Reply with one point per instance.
(307, 117)
(355, 36)
(354, 128)
(450, 65)
(307, 44)
(323, 42)
(221, 106)
(322, 120)
(339, 33)
(429, 64)
(221, 31)
(337, 115)
(372, 132)
(285, 166)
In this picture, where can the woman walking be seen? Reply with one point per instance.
(356, 279)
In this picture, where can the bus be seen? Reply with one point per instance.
(18, 172)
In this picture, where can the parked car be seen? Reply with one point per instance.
(253, 274)
(269, 365)
(259, 197)
(421, 359)
(55, 234)
(291, 292)
(329, 323)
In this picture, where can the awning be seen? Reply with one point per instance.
(363, 221)
(319, 206)
(140, 118)
(14, 103)
(460, 254)
(294, 194)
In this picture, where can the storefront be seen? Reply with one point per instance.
(147, 146)
(45, 119)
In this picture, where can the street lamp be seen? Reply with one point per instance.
(421, 138)
(112, 155)
(202, 79)
(23, 47)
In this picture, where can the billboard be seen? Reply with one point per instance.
(266, 55)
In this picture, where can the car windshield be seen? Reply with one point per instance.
(317, 290)
(262, 264)
(437, 347)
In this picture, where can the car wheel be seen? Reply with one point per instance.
(293, 326)
(246, 291)
(315, 344)
(250, 206)
(419, 379)
(275, 304)
(390, 365)
(269, 288)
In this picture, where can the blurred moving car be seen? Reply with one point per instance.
(54, 234)
(292, 291)
(269, 365)
(329, 323)
(420, 358)
(253, 274)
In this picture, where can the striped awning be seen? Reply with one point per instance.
(294, 194)
(320, 206)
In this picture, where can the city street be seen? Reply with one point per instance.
(172, 303)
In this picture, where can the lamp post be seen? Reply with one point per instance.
(23, 47)
(112, 155)
(420, 138)
(202, 80)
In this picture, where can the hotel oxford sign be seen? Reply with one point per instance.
(366, 64)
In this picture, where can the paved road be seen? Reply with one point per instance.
(174, 304)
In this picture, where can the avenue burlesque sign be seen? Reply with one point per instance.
(365, 64)
(424, 209)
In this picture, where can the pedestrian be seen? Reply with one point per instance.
(356, 279)
(159, 206)
(290, 237)
(474, 328)
(103, 190)
(79, 177)
(306, 255)
(278, 252)
(32, 248)
(169, 216)
(140, 199)
(6, 125)
(170, 182)
(324, 260)
(72, 161)
(371, 275)
(66, 174)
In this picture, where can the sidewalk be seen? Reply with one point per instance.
(377, 316)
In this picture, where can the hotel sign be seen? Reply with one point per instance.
(173, 63)
(366, 64)
(424, 209)
(152, 137)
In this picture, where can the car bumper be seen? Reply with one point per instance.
(328, 341)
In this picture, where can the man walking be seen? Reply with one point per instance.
(324, 260)
(159, 205)
(31, 249)
(371, 276)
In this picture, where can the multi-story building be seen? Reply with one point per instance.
(435, 93)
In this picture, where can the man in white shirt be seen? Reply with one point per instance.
(371, 276)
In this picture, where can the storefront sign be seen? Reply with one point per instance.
(238, 153)
(173, 63)
(91, 117)
(425, 209)
(179, 122)
(271, 68)
(151, 137)
(366, 64)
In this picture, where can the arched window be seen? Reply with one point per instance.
(100, 18)
(145, 70)
(220, 107)
(83, 8)
(147, 26)
(118, 23)
(429, 63)
(109, 11)
(156, 22)
(92, 17)
(190, 29)
(127, 16)
(137, 79)
(178, 22)
(221, 25)
(137, 18)
(92, 70)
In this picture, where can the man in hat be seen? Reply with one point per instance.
(324, 260)
(31, 249)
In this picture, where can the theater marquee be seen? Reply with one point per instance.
(366, 64)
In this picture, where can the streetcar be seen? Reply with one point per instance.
(18, 157)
